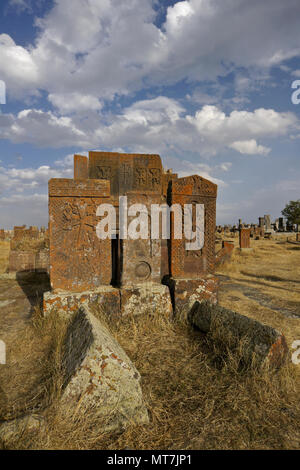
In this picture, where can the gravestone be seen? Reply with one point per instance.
(192, 271)
(280, 224)
(123, 274)
(244, 238)
(268, 227)
(19, 232)
(78, 259)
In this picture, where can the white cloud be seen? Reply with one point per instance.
(105, 48)
(74, 102)
(17, 67)
(296, 73)
(249, 147)
(160, 124)
(42, 129)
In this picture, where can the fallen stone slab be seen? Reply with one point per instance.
(259, 342)
(99, 375)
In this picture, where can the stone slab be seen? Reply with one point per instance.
(261, 342)
(79, 260)
(147, 298)
(185, 292)
(99, 376)
(107, 297)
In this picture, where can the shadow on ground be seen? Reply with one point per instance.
(33, 284)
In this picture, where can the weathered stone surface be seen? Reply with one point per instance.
(79, 260)
(141, 258)
(167, 177)
(99, 375)
(261, 342)
(244, 238)
(225, 253)
(11, 429)
(146, 298)
(106, 297)
(267, 223)
(185, 292)
(194, 264)
(81, 171)
(19, 232)
(127, 172)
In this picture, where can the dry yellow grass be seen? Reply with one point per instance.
(197, 396)
(4, 256)
(272, 269)
(30, 244)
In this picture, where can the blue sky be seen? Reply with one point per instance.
(204, 83)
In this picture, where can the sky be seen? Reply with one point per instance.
(207, 84)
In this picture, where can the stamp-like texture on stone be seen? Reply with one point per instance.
(141, 258)
(193, 264)
(127, 172)
(79, 260)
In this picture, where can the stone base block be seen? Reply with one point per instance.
(185, 292)
(106, 296)
(147, 298)
(246, 250)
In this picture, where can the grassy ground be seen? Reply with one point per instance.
(4, 255)
(194, 402)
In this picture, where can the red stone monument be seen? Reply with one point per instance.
(122, 273)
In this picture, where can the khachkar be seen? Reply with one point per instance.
(126, 274)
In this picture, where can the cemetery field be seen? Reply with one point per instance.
(196, 394)
(4, 254)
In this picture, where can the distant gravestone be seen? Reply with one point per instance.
(268, 223)
(244, 238)
(280, 224)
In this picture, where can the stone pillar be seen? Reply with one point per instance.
(80, 167)
(192, 271)
(79, 260)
